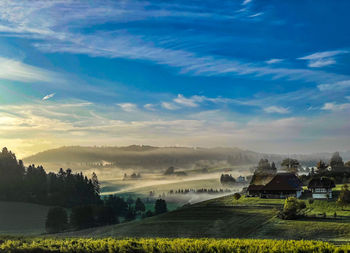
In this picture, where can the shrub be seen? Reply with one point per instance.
(236, 196)
(292, 209)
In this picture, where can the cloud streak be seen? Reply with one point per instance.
(322, 59)
(48, 96)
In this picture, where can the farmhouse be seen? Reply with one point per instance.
(254, 190)
(321, 188)
(282, 185)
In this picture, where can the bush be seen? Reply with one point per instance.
(292, 209)
(236, 196)
(56, 220)
(311, 201)
(344, 196)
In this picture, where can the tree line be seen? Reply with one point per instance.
(65, 191)
(33, 184)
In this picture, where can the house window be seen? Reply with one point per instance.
(320, 190)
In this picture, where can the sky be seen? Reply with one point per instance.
(269, 76)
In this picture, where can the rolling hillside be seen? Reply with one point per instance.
(228, 218)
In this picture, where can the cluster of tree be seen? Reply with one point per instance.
(109, 212)
(292, 209)
(132, 176)
(337, 170)
(203, 190)
(227, 179)
(33, 184)
(291, 165)
(171, 171)
(265, 166)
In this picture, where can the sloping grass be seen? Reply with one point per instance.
(22, 218)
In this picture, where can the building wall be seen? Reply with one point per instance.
(322, 194)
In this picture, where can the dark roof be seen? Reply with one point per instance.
(323, 182)
(284, 182)
(254, 187)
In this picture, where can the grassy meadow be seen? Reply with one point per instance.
(225, 217)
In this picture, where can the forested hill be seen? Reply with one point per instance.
(149, 157)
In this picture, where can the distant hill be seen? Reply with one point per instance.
(149, 157)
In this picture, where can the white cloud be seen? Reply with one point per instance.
(334, 86)
(274, 60)
(150, 107)
(128, 107)
(321, 59)
(276, 109)
(169, 106)
(347, 97)
(256, 14)
(48, 96)
(17, 71)
(189, 102)
(245, 2)
(331, 106)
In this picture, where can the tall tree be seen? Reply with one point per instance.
(57, 220)
(139, 205)
(160, 206)
(336, 161)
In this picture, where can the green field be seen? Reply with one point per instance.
(167, 245)
(22, 218)
(227, 218)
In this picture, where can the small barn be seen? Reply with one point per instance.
(321, 188)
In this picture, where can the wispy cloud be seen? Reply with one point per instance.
(128, 107)
(335, 86)
(321, 59)
(150, 107)
(276, 109)
(48, 96)
(169, 106)
(332, 106)
(245, 2)
(273, 61)
(62, 35)
(190, 102)
(256, 14)
(15, 70)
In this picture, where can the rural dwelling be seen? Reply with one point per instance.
(321, 188)
(281, 186)
(254, 190)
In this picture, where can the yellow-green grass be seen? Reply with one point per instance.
(22, 218)
(168, 245)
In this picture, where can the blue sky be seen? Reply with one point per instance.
(271, 76)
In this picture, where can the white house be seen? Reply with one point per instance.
(321, 188)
